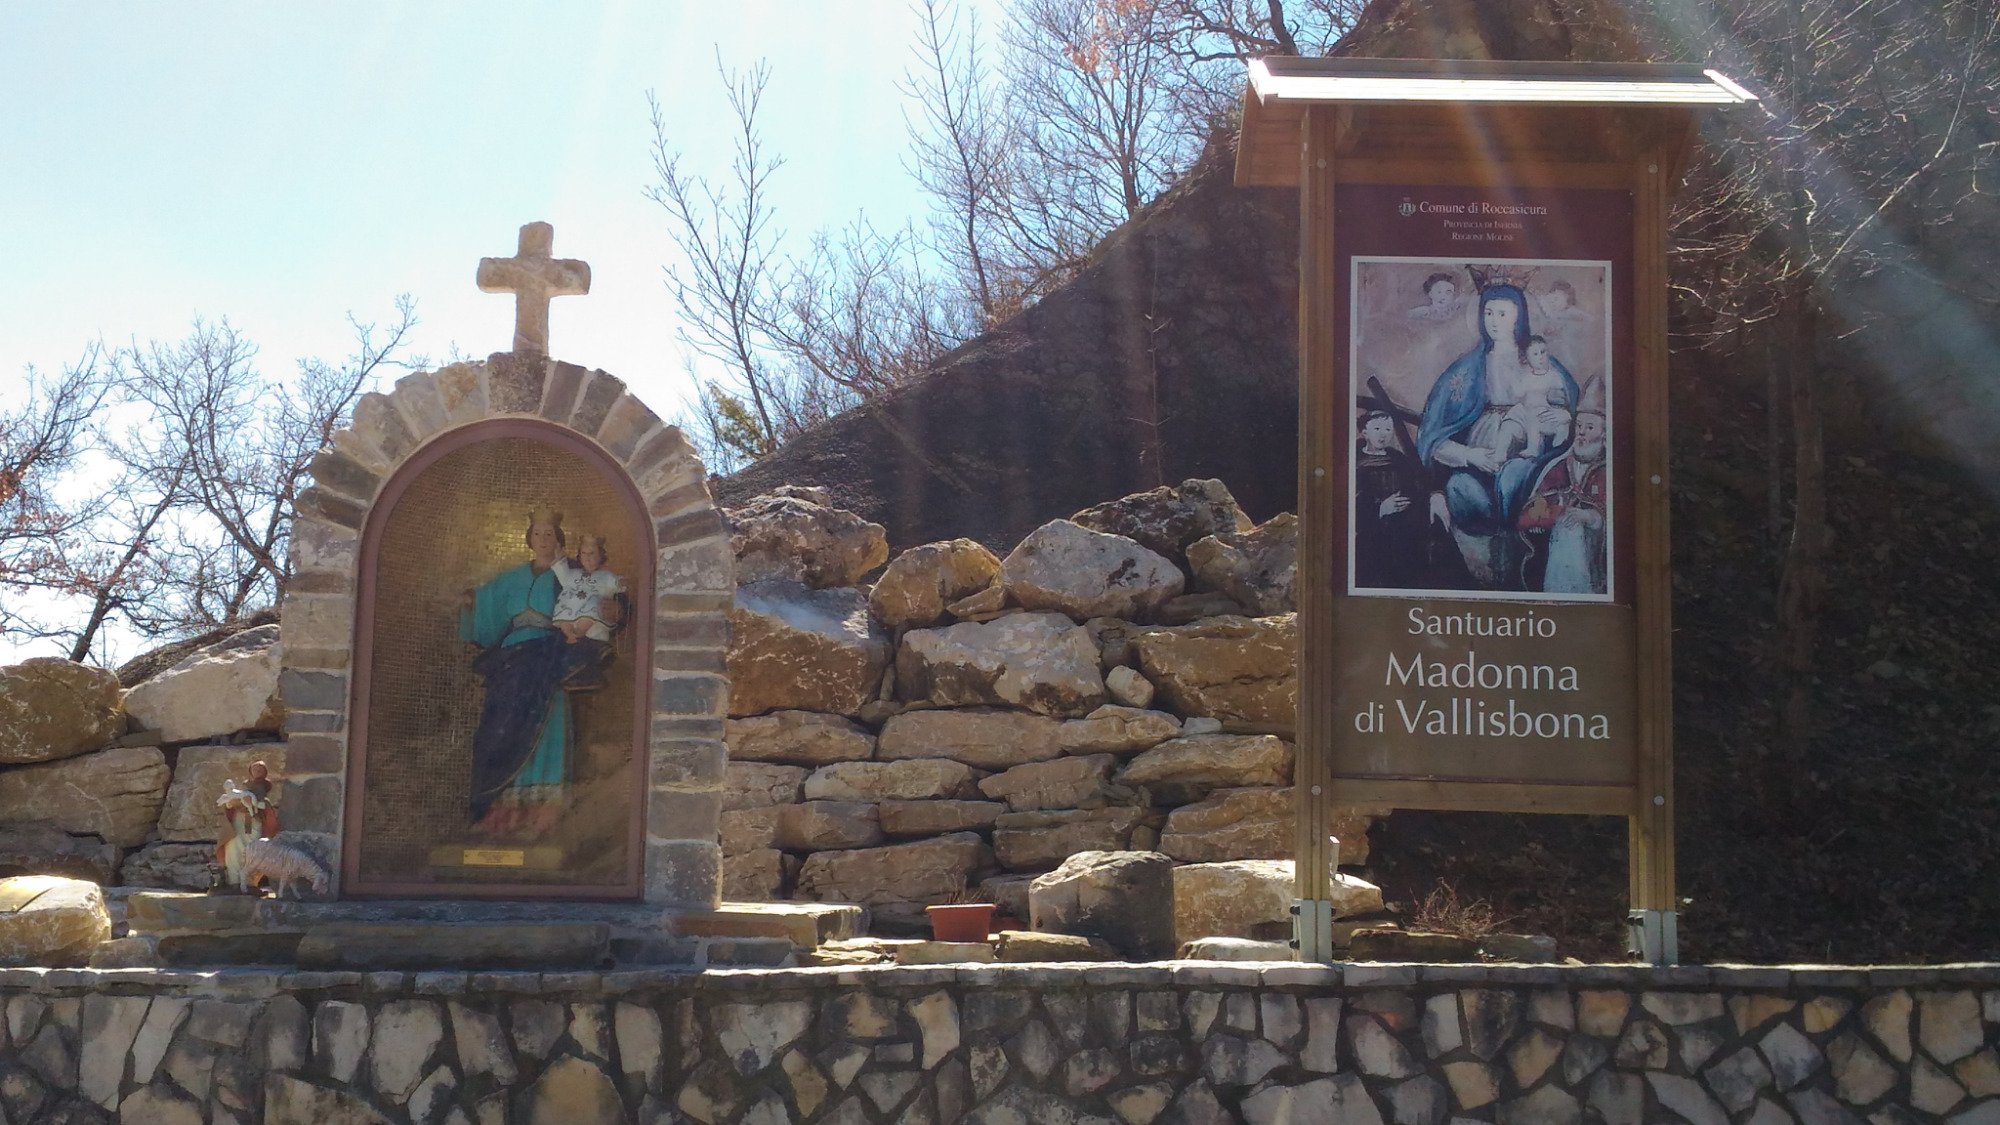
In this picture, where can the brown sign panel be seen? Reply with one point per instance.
(1484, 570)
(1479, 691)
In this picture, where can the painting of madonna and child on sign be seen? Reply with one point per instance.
(1482, 395)
(502, 712)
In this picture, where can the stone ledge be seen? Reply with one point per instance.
(1173, 975)
(806, 924)
(170, 912)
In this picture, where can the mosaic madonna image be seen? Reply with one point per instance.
(1481, 444)
(504, 693)
(542, 631)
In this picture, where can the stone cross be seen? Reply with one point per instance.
(534, 277)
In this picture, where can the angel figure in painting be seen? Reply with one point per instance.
(1441, 300)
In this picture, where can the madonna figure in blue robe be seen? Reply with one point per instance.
(1462, 442)
(521, 750)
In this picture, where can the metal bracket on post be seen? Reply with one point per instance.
(1653, 936)
(1312, 930)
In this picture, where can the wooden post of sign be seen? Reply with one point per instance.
(1319, 477)
(1537, 194)
(1654, 919)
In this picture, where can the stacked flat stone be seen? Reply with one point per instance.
(968, 722)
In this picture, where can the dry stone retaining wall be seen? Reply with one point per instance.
(965, 722)
(1127, 1044)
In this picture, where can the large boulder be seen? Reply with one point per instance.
(793, 648)
(228, 686)
(916, 779)
(1241, 670)
(1040, 662)
(798, 738)
(920, 872)
(1037, 841)
(1190, 767)
(920, 583)
(51, 709)
(981, 737)
(190, 812)
(174, 867)
(1063, 783)
(49, 920)
(1168, 518)
(792, 536)
(1070, 569)
(40, 848)
(1118, 730)
(1124, 898)
(1252, 898)
(1258, 568)
(114, 794)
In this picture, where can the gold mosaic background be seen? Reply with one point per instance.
(460, 523)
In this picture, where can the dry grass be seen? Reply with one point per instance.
(1443, 912)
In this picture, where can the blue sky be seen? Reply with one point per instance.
(281, 164)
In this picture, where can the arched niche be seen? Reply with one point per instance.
(401, 775)
(495, 751)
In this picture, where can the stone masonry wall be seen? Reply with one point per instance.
(1130, 1044)
(956, 722)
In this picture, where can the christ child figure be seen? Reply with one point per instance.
(1532, 423)
(582, 617)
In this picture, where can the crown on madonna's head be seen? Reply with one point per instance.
(1501, 273)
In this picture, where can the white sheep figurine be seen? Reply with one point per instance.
(267, 859)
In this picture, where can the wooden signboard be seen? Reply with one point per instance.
(1484, 591)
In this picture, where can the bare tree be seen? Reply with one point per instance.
(1031, 155)
(238, 446)
(782, 341)
(726, 283)
(180, 520)
(42, 443)
(961, 152)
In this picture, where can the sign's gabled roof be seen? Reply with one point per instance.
(1549, 97)
(1327, 81)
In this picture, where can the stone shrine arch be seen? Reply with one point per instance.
(617, 792)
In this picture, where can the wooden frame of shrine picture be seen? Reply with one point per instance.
(1484, 589)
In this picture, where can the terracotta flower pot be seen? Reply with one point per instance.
(965, 921)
